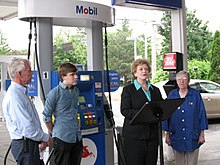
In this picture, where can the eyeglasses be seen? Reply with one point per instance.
(182, 79)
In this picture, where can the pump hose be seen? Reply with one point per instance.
(111, 119)
(37, 61)
(30, 37)
(6, 155)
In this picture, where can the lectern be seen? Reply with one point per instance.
(157, 111)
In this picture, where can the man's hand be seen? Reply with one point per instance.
(50, 141)
(42, 146)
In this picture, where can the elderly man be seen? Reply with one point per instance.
(22, 119)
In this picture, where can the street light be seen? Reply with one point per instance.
(135, 45)
(154, 50)
(135, 39)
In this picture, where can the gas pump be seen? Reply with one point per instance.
(172, 62)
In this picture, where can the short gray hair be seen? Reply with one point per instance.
(16, 65)
(183, 72)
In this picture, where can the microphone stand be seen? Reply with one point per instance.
(159, 119)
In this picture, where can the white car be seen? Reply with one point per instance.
(210, 92)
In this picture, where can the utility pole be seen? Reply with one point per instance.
(154, 51)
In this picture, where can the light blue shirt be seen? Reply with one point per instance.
(21, 116)
(63, 104)
(147, 93)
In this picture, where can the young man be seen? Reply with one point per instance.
(22, 119)
(62, 103)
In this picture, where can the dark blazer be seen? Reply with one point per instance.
(131, 101)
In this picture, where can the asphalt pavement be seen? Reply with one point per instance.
(4, 144)
(209, 152)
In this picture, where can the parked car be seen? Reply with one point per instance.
(210, 92)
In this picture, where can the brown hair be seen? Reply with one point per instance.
(139, 62)
(65, 68)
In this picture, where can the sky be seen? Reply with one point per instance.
(17, 31)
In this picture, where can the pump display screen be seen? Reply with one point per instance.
(81, 99)
(84, 77)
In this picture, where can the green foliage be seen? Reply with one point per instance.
(160, 76)
(141, 47)
(20, 52)
(215, 60)
(120, 51)
(4, 47)
(165, 31)
(197, 70)
(198, 36)
(78, 54)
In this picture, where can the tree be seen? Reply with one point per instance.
(120, 51)
(161, 76)
(4, 47)
(141, 47)
(198, 37)
(197, 69)
(76, 54)
(215, 60)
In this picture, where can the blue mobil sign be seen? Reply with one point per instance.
(32, 86)
(114, 79)
(172, 4)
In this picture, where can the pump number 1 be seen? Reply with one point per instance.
(45, 75)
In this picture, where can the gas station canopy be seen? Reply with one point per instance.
(150, 4)
(8, 9)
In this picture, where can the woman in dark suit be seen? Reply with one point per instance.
(140, 141)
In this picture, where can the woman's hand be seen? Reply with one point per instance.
(201, 138)
(167, 138)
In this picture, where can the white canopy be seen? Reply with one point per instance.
(8, 9)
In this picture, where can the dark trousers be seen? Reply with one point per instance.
(140, 152)
(67, 153)
(42, 162)
(25, 152)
